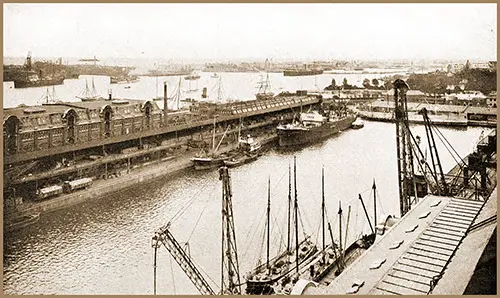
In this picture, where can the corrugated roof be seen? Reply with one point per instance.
(430, 233)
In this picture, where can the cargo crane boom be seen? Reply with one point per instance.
(442, 186)
(166, 238)
(230, 270)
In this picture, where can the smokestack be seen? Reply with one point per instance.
(165, 103)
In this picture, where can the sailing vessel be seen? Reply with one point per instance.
(48, 96)
(264, 85)
(263, 279)
(314, 126)
(89, 94)
(209, 160)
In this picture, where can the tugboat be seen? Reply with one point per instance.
(314, 126)
(248, 151)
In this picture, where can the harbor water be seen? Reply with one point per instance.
(104, 246)
(234, 86)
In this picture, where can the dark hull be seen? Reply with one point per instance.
(294, 73)
(350, 255)
(22, 222)
(208, 163)
(240, 160)
(299, 137)
(264, 286)
(40, 83)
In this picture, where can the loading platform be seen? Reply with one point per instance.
(424, 253)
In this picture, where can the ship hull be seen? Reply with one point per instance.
(208, 163)
(289, 137)
(40, 83)
(295, 73)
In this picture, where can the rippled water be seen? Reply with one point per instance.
(104, 246)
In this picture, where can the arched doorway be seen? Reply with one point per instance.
(147, 111)
(107, 114)
(11, 132)
(71, 119)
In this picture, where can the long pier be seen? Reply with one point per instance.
(232, 112)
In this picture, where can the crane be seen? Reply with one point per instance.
(406, 171)
(230, 273)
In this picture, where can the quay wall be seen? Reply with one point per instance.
(100, 188)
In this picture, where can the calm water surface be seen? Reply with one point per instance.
(104, 246)
(234, 86)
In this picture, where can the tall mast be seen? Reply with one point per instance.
(229, 250)
(289, 204)
(340, 235)
(323, 209)
(268, 219)
(296, 207)
(374, 187)
(179, 92)
(366, 213)
(213, 137)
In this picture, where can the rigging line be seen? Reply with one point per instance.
(255, 231)
(302, 224)
(190, 201)
(197, 221)
(448, 149)
(439, 132)
(172, 273)
(205, 274)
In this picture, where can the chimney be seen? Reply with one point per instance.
(165, 103)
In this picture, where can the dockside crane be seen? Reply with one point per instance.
(438, 174)
(230, 273)
(406, 171)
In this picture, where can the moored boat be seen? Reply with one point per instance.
(240, 159)
(313, 127)
(264, 278)
(21, 222)
(209, 161)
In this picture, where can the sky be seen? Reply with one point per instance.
(252, 31)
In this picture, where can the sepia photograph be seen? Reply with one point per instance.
(249, 148)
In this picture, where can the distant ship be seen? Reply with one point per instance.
(167, 73)
(302, 72)
(34, 81)
(26, 76)
(192, 76)
(313, 127)
(124, 80)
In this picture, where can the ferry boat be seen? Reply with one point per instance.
(313, 127)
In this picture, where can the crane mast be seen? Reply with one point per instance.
(403, 146)
(165, 237)
(230, 272)
(230, 275)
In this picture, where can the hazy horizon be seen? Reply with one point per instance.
(251, 32)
